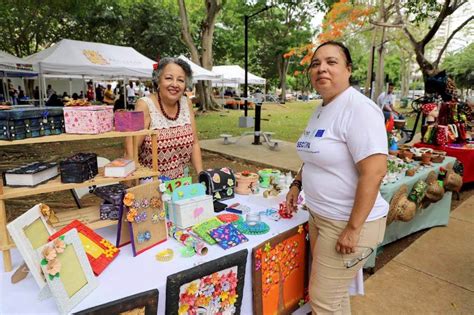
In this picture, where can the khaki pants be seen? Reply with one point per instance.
(330, 278)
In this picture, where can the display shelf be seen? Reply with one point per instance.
(76, 137)
(90, 215)
(56, 185)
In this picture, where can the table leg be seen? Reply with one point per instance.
(5, 238)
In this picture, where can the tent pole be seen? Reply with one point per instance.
(124, 93)
(42, 85)
(84, 85)
(70, 87)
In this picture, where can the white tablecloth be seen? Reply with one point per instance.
(128, 275)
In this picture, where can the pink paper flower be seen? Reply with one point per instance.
(59, 245)
(53, 267)
(49, 253)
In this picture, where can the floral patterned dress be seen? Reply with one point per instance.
(175, 140)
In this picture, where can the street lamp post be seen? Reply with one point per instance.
(257, 107)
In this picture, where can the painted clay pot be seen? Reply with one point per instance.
(393, 152)
(426, 158)
(436, 158)
(406, 154)
(246, 183)
(453, 181)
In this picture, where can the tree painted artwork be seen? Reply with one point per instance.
(280, 267)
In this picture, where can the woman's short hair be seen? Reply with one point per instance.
(168, 60)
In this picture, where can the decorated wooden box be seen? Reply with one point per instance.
(219, 182)
(109, 211)
(189, 205)
(30, 122)
(129, 121)
(88, 119)
(78, 168)
(113, 200)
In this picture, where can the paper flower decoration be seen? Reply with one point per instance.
(59, 245)
(128, 199)
(53, 267)
(49, 253)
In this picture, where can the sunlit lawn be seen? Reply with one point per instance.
(286, 121)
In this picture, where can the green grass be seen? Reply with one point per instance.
(287, 121)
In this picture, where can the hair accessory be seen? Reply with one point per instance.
(229, 217)
(136, 204)
(128, 199)
(165, 255)
(145, 203)
(141, 217)
(143, 237)
(132, 213)
(255, 229)
(271, 213)
(155, 202)
(283, 211)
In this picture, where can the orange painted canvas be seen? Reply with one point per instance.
(280, 272)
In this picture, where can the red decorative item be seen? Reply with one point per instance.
(129, 121)
(228, 217)
(442, 135)
(427, 108)
(100, 256)
(283, 211)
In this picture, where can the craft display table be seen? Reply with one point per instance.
(436, 214)
(464, 154)
(89, 215)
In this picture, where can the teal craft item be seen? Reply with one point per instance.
(202, 229)
(187, 251)
(188, 191)
(255, 229)
(266, 175)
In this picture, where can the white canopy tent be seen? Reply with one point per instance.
(13, 67)
(72, 57)
(235, 75)
(200, 73)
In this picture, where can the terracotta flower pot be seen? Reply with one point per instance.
(407, 154)
(426, 158)
(246, 182)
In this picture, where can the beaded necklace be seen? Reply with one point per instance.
(163, 110)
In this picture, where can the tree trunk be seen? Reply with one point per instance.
(405, 76)
(370, 69)
(282, 66)
(380, 76)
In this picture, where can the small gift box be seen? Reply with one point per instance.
(78, 168)
(88, 119)
(129, 121)
(109, 211)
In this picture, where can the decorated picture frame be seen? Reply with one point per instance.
(67, 270)
(141, 303)
(143, 214)
(276, 291)
(29, 232)
(215, 287)
(99, 251)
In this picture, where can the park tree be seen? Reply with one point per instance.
(460, 66)
(200, 44)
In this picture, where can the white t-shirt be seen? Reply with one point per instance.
(338, 135)
(130, 91)
(385, 99)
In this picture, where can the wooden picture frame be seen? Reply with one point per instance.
(288, 251)
(67, 270)
(133, 304)
(30, 231)
(147, 227)
(228, 272)
(100, 251)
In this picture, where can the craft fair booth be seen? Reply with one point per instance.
(436, 214)
(128, 275)
(16, 69)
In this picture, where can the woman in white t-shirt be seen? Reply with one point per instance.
(344, 150)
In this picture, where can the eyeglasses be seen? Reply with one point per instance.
(354, 261)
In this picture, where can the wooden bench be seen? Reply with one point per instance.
(275, 144)
(269, 135)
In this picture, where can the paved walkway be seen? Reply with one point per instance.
(434, 275)
(284, 159)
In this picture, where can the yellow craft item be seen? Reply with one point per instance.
(165, 255)
(90, 247)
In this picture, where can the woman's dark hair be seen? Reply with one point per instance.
(168, 60)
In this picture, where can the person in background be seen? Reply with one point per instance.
(36, 95)
(54, 101)
(49, 91)
(386, 102)
(171, 113)
(81, 95)
(344, 162)
(146, 92)
(130, 92)
(90, 95)
(12, 92)
(109, 96)
(75, 96)
(65, 95)
(99, 93)
(21, 93)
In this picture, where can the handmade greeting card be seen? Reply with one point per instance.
(143, 215)
(30, 231)
(215, 287)
(279, 278)
(228, 236)
(68, 272)
(100, 251)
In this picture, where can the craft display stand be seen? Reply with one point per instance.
(435, 214)
(89, 215)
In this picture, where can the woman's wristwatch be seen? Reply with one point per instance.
(297, 183)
